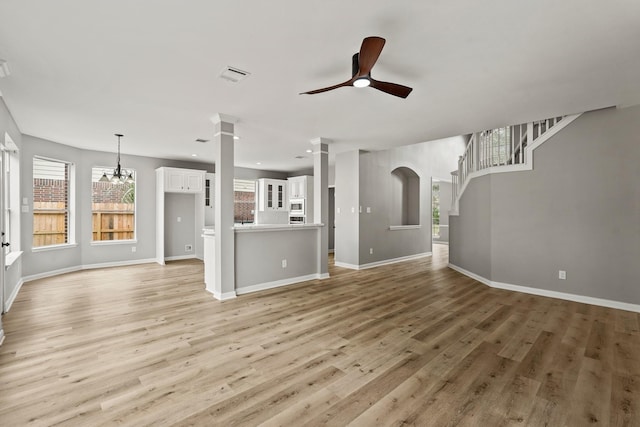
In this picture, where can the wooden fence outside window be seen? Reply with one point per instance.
(110, 221)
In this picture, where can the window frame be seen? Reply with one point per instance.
(135, 210)
(70, 210)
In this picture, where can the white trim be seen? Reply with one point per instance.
(223, 133)
(279, 283)
(11, 258)
(274, 227)
(51, 273)
(113, 242)
(87, 267)
(54, 247)
(1, 330)
(118, 263)
(551, 294)
(224, 296)
(404, 227)
(12, 297)
(383, 262)
(179, 257)
(346, 265)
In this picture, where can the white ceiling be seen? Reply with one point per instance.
(84, 70)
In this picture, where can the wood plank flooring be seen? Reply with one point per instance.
(413, 343)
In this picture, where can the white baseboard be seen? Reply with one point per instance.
(383, 262)
(87, 267)
(179, 257)
(279, 283)
(118, 263)
(9, 301)
(51, 273)
(551, 294)
(224, 296)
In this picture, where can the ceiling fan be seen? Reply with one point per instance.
(361, 71)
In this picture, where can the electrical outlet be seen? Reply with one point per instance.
(133, 248)
(179, 219)
(188, 248)
(562, 275)
(370, 251)
(368, 209)
(284, 263)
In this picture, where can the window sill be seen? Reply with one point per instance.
(54, 247)
(10, 258)
(113, 242)
(404, 227)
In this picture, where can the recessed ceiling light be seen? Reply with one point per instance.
(194, 155)
(236, 137)
(309, 151)
(258, 163)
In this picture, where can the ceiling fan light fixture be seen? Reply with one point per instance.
(362, 82)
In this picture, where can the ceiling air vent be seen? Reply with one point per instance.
(202, 141)
(233, 74)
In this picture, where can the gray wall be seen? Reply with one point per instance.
(374, 190)
(347, 200)
(259, 256)
(178, 234)
(578, 211)
(85, 253)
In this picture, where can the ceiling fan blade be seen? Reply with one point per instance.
(369, 53)
(325, 89)
(391, 88)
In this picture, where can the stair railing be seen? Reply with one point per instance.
(502, 149)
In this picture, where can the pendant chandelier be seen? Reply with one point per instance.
(120, 175)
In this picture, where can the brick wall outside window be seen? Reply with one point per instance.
(244, 204)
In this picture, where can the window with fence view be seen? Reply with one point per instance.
(113, 207)
(50, 202)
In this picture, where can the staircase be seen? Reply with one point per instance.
(505, 149)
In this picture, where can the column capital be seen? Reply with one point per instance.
(219, 118)
(320, 145)
(320, 140)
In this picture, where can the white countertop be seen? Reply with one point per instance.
(243, 228)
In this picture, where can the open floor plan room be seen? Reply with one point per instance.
(413, 343)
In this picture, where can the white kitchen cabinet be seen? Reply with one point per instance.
(300, 186)
(272, 194)
(178, 180)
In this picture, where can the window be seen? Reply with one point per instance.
(113, 207)
(244, 200)
(406, 197)
(52, 202)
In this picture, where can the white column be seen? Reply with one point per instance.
(321, 201)
(224, 287)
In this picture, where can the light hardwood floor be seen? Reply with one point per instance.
(413, 343)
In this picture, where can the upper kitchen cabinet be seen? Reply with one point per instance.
(272, 194)
(178, 180)
(300, 187)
